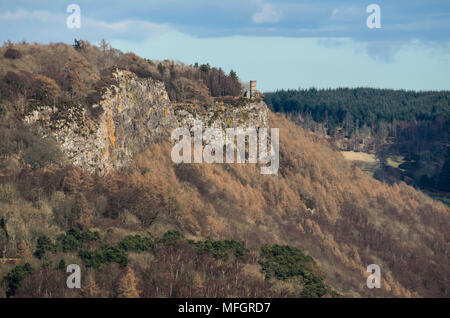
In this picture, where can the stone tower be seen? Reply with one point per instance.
(252, 89)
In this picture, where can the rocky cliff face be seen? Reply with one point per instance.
(220, 115)
(135, 112)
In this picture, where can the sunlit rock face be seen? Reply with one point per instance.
(134, 113)
(252, 114)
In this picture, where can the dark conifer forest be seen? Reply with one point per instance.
(414, 125)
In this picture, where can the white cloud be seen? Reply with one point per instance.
(143, 28)
(267, 15)
(347, 13)
(52, 27)
(22, 14)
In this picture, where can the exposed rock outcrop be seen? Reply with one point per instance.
(222, 116)
(135, 112)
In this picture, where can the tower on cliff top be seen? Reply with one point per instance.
(252, 89)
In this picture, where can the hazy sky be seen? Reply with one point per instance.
(282, 44)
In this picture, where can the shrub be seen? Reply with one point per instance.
(142, 72)
(136, 243)
(108, 254)
(116, 255)
(4, 238)
(44, 244)
(205, 68)
(161, 69)
(70, 243)
(216, 248)
(92, 259)
(284, 262)
(17, 83)
(12, 280)
(237, 247)
(172, 236)
(45, 88)
(62, 266)
(314, 286)
(220, 249)
(3, 109)
(12, 54)
(74, 239)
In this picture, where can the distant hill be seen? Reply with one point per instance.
(415, 125)
(361, 106)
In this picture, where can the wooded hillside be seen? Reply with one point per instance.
(159, 229)
(415, 125)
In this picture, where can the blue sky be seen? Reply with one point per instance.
(282, 44)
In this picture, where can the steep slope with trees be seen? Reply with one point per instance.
(158, 229)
